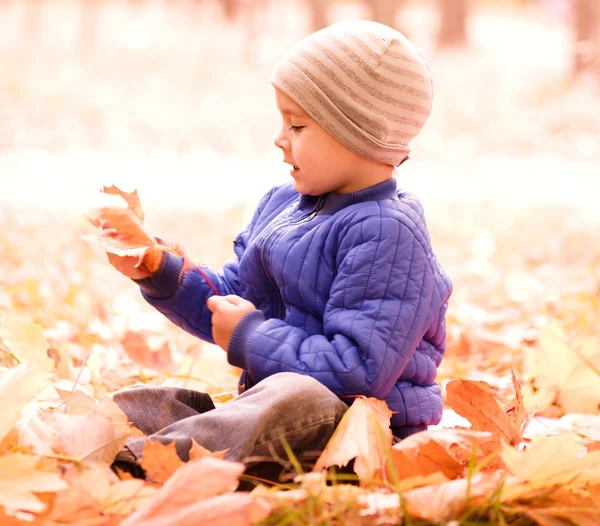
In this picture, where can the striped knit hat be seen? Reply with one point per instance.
(363, 82)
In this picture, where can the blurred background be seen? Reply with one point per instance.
(172, 97)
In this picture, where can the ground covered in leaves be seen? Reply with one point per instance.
(507, 171)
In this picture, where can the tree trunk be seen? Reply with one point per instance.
(586, 18)
(318, 14)
(32, 21)
(453, 23)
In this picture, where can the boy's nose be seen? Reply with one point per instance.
(280, 141)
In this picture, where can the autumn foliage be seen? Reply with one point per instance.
(500, 454)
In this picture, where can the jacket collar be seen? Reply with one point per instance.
(335, 202)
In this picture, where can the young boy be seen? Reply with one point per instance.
(335, 290)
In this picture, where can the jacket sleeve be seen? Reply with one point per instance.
(378, 310)
(181, 296)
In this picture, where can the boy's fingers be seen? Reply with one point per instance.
(235, 300)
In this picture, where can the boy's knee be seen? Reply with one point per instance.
(302, 391)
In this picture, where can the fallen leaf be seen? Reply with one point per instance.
(564, 371)
(364, 434)
(26, 341)
(194, 481)
(477, 403)
(89, 438)
(137, 348)
(233, 509)
(160, 461)
(197, 451)
(80, 403)
(19, 385)
(20, 479)
(448, 500)
(549, 462)
(442, 450)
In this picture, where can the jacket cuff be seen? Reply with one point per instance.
(238, 348)
(165, 281)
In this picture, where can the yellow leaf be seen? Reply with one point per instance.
(476, 402)
(26, 341)
(20, 479)
(552, 461)
(126, 496)
(565, 371)
(160, 461)
(364, 434)
(19, 385)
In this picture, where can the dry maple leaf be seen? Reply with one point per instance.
(80, 403)
(137, 348)
(160, 461)
(364, 434)
(89, 438)
(476, 402)
(197, 451)
(19, 385)
(448, 500)
(446, 451)
(549, 462)
(194, 481)
(26, 341)
(233, 509)
(131, 198)
(20, 478)
(564, 371)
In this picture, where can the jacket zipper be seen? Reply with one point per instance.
(279, 308)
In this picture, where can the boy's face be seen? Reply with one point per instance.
(320, 164)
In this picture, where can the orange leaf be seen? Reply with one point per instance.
(363, 433)
(131, 198)
(197, 451)
(194, 481)
(476, 402)
(137, 348)
(448, 500)
(160, 461)
(441, 450)
(233, 509)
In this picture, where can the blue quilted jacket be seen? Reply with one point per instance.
(348, 291)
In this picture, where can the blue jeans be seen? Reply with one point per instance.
(287, 406)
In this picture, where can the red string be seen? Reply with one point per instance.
(210, 283)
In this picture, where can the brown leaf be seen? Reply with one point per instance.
(194, 481)
(137, 348)
(363, 433)
(477, 403)
(160, 461)
(442, 450)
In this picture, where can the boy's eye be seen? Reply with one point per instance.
(296, 128)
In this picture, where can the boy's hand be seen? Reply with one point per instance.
(227, 313)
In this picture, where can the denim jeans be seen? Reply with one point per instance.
(252, 427)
